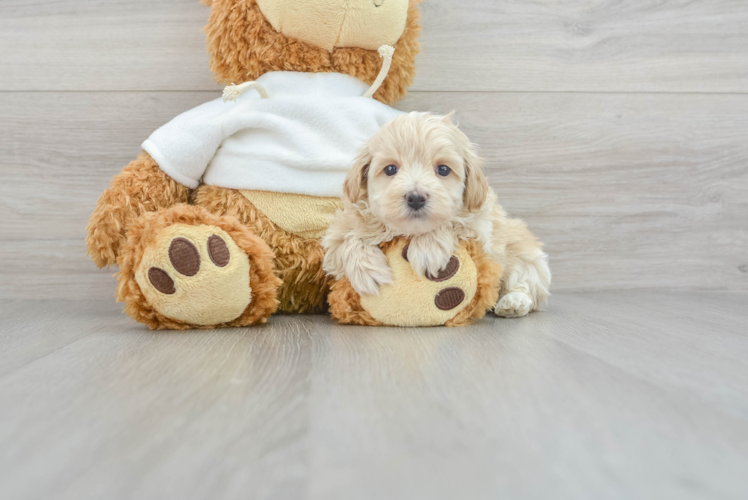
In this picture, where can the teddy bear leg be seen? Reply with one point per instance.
(298, 260)
(186, 268)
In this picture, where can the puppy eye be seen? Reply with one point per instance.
(443, 170)
(390, 170)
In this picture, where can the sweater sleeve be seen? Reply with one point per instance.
(184, 147)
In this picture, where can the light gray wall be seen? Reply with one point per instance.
(618, 130)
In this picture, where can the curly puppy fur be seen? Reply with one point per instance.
(298, 261)
(345, 303)
(244, 46)
(140, 188)
(144, 231)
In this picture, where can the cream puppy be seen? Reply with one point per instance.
(420, 177)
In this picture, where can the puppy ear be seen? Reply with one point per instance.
(476, 184)
(354, 188)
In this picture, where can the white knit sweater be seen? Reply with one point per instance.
(302, 139)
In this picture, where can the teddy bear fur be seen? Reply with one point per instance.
(243, 46)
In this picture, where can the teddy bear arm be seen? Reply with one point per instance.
(141, 187)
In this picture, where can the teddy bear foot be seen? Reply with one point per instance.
(187, 268)
(460, 294)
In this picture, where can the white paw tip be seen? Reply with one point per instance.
(513, 305)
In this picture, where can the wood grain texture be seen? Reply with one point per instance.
(583, 46)
(605, 395)
(627, 191)
(112, 45)
(578, 45)
(56, 268)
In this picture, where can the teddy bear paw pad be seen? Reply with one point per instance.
(195, 274)
(423, 301)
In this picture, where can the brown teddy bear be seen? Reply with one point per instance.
(217, 223)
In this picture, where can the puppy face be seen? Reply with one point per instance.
(418, 173)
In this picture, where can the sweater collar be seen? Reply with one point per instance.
(280, 83)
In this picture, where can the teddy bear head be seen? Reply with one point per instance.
(248, 38)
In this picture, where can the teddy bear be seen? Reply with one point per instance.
(217, 223)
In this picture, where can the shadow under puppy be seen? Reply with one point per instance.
(420, 177)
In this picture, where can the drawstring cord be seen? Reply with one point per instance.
(386, 52)
(232, 92)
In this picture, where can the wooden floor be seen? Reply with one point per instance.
(606, 395)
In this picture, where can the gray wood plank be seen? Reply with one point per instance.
(112, 45)
(509, 410)
(52, 269)
(32, 329)
(635, 332)
(628, 191)
(577, 45)
(230, 403)
(573, 402)
(667, 46)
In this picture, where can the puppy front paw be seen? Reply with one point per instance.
(368, 271)
(513, 305)
(428, 261)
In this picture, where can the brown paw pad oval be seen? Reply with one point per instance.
(218, 251)
(184, 257)
(448, 272)
(161, 281)
(449, 298)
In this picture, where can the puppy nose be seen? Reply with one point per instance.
(416, 201)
